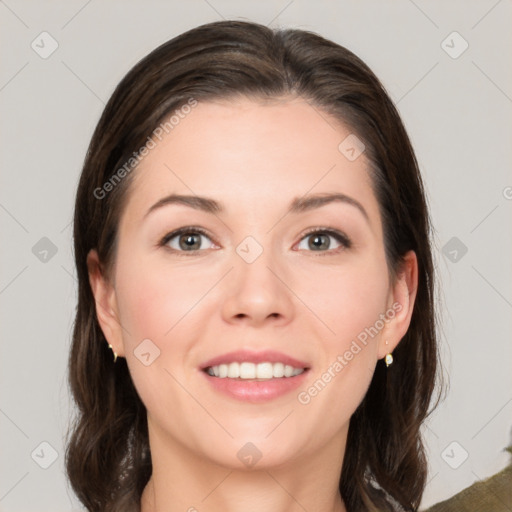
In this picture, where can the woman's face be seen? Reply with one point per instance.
(253, 285)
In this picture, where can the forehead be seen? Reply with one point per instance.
(248, 152)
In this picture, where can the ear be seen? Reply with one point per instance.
(401, 303)
(106, 304)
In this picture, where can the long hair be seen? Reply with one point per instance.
(108, 460)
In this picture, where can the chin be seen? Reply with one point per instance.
(253, 454)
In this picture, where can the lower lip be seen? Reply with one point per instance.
(256, 391)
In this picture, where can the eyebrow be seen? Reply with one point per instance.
(298, 204)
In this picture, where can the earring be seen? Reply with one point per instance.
(389, 358)
(115, 354)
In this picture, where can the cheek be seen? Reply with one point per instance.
(156, 303)
(153, 299)
(357, 298)
(348, 299)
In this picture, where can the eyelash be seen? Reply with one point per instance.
(337, 235)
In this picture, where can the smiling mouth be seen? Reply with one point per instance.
(252, 371)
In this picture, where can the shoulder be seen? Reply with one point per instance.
(493, 494)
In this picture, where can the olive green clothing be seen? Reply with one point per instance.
(491, 495)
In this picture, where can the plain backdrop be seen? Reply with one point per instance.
(446, 64)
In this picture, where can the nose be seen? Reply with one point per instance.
(258, 292)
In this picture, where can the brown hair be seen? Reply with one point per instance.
(108, 460)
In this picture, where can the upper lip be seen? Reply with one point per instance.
(246, 356)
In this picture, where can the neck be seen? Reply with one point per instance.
(188, 482)
(263, 491)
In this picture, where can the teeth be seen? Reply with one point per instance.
(253, 371)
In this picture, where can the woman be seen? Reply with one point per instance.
(256, 323)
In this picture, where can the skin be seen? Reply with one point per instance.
(254, 158)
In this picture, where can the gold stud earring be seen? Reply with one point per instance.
(389, 358)
(115, 354)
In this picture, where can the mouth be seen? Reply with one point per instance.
(255, 377)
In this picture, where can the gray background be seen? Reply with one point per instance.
(457, 111)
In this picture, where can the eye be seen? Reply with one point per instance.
(186, 239)
(318, 240)
(189, 239)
